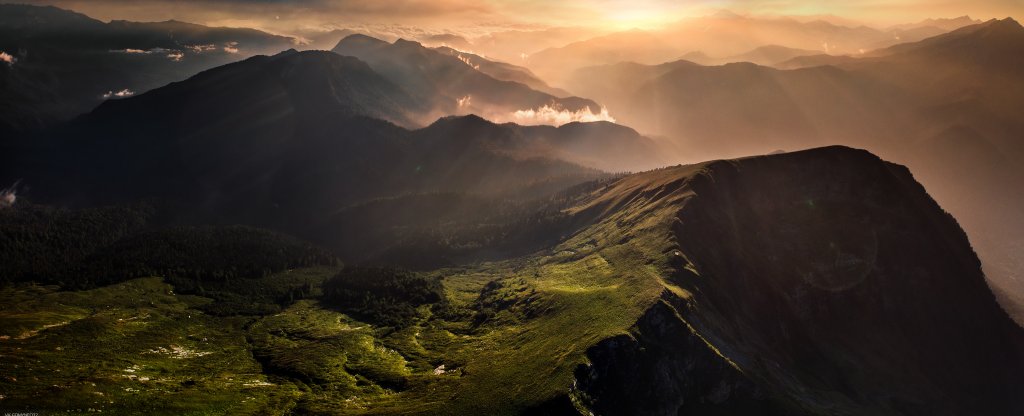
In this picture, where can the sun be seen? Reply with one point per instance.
(640, 17)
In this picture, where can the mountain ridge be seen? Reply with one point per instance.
(451, 84)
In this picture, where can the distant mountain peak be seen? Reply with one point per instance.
(1007, 27)
(1002, 38)
(462, 121)
(1007, 22)
(408, 43)
(361, 40)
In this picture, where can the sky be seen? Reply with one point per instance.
(283, 16)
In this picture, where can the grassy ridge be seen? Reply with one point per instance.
(519, 327)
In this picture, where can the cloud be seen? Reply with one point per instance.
(465, 101)
(231, 47)
(557, 117)
(172, 54)
(200, 48)
(119, 94)
(134, 51)
(297, 17)
(8, 58)
(283, 15)
(8, 196)
(466, 61)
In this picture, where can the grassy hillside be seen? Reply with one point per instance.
(717, 288)
(523, 325)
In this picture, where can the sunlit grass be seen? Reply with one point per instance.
(509, 337)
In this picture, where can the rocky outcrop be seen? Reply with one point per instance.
(665, 368)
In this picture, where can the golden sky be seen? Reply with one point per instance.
(286, 15)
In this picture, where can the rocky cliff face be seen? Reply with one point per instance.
(817, 282)
(665, 368)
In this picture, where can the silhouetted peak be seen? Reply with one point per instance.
(402, 43)
(1000, 26)
(600, 126)
(992, 32)
(314, 55)
(743, 66)
(359, 39)
(469, 120)
(1008, 22)
(24, 14)
(964, 18)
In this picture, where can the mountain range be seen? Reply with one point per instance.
(726, 35)
(65, 63)
(453, 84)
(946, 106)
(365, 231)
(284, 141)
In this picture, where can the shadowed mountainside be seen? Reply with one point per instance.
(451, 85)
(290, 140)
(945, 106)
(66, 62)
(840, 304)
(504, 71)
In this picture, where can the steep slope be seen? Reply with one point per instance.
(503, 71)
(65, 63)
(946, 106)
(451, 85)
(970, 85)
(1001, 35)
(815, 282)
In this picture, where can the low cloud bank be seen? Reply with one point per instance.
(201, 48)
(119, 94)
(172, 54)
(8, 58)
(557, 117)
(8, 196)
